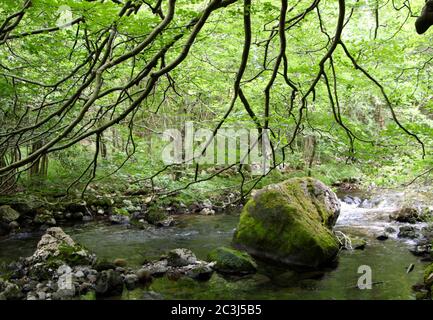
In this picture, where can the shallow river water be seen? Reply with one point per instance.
(388, 260)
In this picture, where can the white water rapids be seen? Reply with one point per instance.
(372, 217)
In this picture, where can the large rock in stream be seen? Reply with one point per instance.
(290, 223)
(55, 245)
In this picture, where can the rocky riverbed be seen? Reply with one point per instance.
(129, 262)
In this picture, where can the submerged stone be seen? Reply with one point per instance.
(232, 261)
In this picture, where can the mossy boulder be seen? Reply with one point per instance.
(7, 214)
(428, 276)
(290, 223)
(232, 261)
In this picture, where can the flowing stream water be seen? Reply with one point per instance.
(388, 259)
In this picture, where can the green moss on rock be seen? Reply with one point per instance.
(232, 261)
(73, 255)
(290, 223)
(428, 276)
(121, 212)
(156, 215)
(7, 214)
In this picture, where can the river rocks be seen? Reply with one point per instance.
(207, 212)
(76, 206)
(44, 216)
(104, 265)
(427, 232)
(156, 268)
(119, 219)
(131, 281)
(201, 271)
(10, 291)
(8, 217)
(181, 258)
(232, 261)
(390, 230)
(165, 223)
(61, 269)
(352, 200)
(130, 207)
(408, 232)
(66, 288)
(56, 245)
(421, 250)
(179, 263)
(407, 215)
(7, 214)
(109, 284)
(291, 223)
(155, 216)
(382, 236)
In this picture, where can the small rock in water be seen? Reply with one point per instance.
(156, 269)
(165, 223)
(200, 272)
(109, 284)
(119, 219)
(407, 214)
(390, 230)
(382, 237)
(421, 250)
(181, 258)
(352, 200)
(408, 232)
(131, 281)
(207, 212)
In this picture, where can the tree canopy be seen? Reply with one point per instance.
(353, 76)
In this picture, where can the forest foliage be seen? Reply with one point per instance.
(87, 88)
